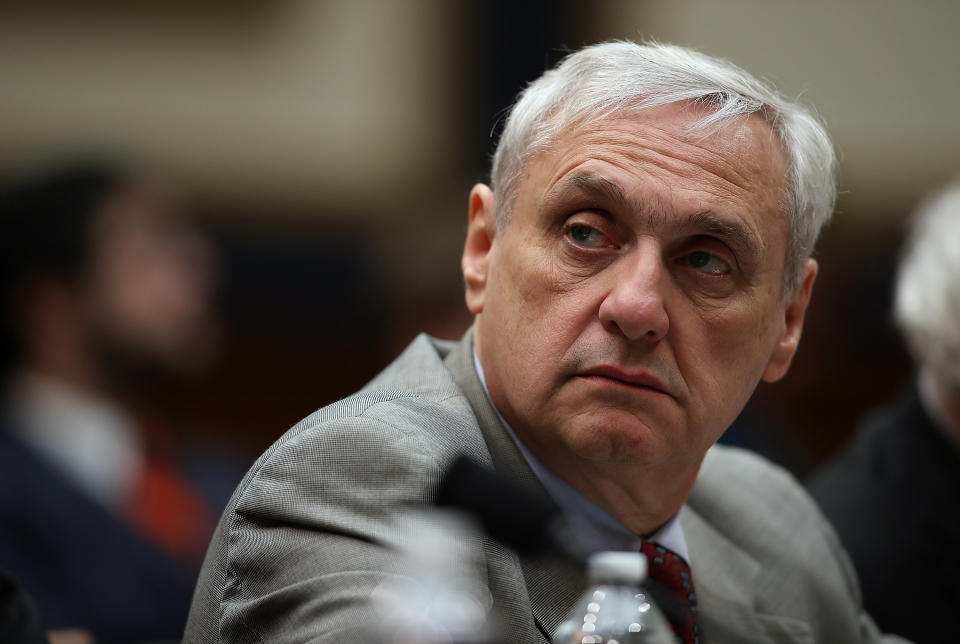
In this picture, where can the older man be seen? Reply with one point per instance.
(893, 493)
(640, 262)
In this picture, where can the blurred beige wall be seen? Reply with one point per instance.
(306, 102)
(352, 119)
(318, 104)
(884, 75)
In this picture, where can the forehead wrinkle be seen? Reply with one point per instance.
(675, 149)
(757, 190)
(732, 164)
(591, 185)
(679, 160)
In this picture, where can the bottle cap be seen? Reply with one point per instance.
(628, 567)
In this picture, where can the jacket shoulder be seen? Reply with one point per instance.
(761, 506)
(319, 513)
(801, 571)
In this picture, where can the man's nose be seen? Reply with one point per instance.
(634, 305)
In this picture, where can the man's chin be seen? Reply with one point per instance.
(617, 442)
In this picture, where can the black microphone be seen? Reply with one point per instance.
(511, 514)
(508, 512)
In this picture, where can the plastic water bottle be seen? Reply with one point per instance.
(437, 596)
(615, 609)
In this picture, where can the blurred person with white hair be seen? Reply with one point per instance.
(639, 263)
(894, 492)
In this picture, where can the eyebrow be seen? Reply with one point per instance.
(590, 185)
(597, 187)
(738, 237)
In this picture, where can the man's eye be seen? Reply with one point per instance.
(586, 236)
(707, 263)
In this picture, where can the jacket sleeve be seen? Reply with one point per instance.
(311, 532)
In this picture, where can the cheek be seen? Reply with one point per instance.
(543, 297)
(530, 322)
(733, 350)
(741, 342)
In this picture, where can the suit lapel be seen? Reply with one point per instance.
(723, 576)
(553, 585)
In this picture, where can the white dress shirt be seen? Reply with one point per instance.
(90, 442)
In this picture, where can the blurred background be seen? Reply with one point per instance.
(326, 148)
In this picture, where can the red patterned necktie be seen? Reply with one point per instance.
(672, 574)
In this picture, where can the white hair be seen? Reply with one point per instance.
(620, 77)
(927, 298)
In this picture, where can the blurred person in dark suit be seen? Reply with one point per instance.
(894, 492)
(107, 301)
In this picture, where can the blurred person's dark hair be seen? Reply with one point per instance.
(46, 234)
(102, 257)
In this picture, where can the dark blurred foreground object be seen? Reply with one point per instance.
(507, 511)
(894, 493)
(106, 305)
(19, 621)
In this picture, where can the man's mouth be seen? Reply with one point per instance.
(607, 374)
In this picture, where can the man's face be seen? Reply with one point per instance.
(150, 292)
(632, 302)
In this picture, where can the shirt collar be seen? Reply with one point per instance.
(596, 528)
(90, 441)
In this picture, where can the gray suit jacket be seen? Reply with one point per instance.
(312, 528)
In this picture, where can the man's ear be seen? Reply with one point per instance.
(793, 326)
(481, 233)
